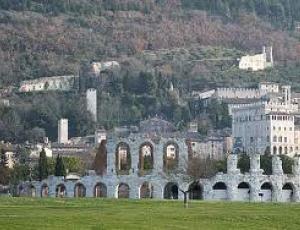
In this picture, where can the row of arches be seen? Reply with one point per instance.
(146, 157)
(171, 191)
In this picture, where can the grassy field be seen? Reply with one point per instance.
(26, 213)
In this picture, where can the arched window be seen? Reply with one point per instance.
(146, 157)
(275, 139)
(274, 150)
(171, 155)
(123, 158)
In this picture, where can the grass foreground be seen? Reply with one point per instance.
(91, 213)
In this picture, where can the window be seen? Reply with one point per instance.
(268, 138)
(251, 139)
(274, 128)
(279, 128)
(285, 139)
(284, 128)
(275, 139)
(280, 139)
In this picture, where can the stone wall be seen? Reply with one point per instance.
(157, 183)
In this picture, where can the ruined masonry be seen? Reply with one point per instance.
(139, 167)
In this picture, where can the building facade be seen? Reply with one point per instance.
(267, 126)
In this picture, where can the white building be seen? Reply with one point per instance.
(63, 135)
(267, 126)
(257, 62)
(57, 83)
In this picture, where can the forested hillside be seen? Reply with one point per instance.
(193, 44)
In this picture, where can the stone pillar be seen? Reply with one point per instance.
(255, 173)
(111, 156)
(255, 164)
(276, 166)
(232, 162)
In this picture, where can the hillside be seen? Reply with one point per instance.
(193, 44)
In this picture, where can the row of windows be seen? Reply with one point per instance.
(283, 128)
(263, 117)
(280, 139)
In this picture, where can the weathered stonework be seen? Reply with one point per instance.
(159, 183)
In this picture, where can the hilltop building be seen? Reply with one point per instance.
(259, 61)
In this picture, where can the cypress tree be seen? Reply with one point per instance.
(59, 167)
(100, 162)
(43, 165)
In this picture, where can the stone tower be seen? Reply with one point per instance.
(63, 135)
(91, 102)
(286, 91)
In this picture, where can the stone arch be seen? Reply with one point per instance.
(274, 150)
(288, 191)
(220, 191)
(196, 191)
(146, 190)
(146, 159)
(171, 191)
(100, 190)
(79, 190)
(32, 191)
(123, 158)
(243, 191)
(44, 190)
(60, 190)
(266, 190)
(123, 191)
(170, 156)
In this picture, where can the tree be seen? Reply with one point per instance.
(100, 162)
(287, 164)
(59, 167)
(244, 163)
(43, 166)
(266, 164)
(4, 170)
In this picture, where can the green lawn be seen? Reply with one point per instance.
(26, 213)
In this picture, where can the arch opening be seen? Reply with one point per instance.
(146, 191)
(100, 190)
(123, 158)
(123, 191)
(220, 191)
(287, 192)
(266, 192)
(60, 190)
(45, 190)
(171, 191)
(146, 157)
(243, 192)
(79, 190)
(196, 192)
(171, 156)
